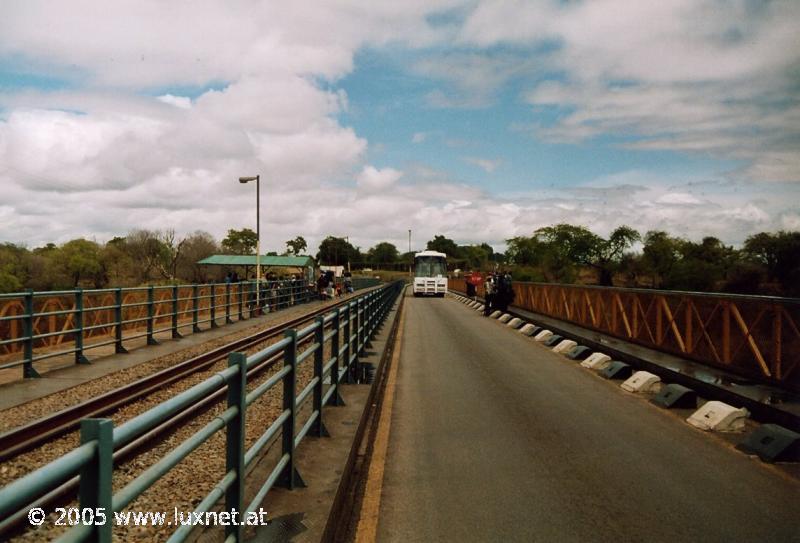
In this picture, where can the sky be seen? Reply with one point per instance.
(476, 120)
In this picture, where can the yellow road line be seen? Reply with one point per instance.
(371, 504)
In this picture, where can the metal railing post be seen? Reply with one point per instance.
(359, 327)
(28, 371)
(241, 306)
(348, 338)
(94, 492)
(195, 308)
(213, 299)
(175, 333)
(319, 361)
(228, 319)
(118, 348)
(289, 478)
(78, 320)
(151, 314)
(335, 398)
(234, 442)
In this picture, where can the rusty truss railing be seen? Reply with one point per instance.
(754, 336)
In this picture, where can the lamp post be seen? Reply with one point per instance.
(410, 256)
(257, 179)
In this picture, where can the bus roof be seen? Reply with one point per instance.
(430, 253)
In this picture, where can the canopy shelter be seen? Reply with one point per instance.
(301, 264)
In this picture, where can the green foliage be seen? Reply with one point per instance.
(80, 259)
(383, 253)
(444, 245)
(296, 246)
(335, 251)
(779, 254)
(240, 242)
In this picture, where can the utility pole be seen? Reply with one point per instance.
(410, 256)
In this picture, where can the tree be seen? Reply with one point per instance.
(476, 256)
(148, 252)
(444, 245)
(80, 259)
(335, 251)
(383, 253)
(196, 247)
(240, 242)
(608, 253)
(780, 255)
(660, 255)
(13, 267)
(296, 246)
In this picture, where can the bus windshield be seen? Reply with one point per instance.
(430, 266)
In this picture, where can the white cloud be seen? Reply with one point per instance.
(487, 165)
(372, 178)
(182, 102)
(102, 156)
(678, 198)
(683, 75)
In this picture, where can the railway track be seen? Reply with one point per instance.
(46, 429)
(37, 433)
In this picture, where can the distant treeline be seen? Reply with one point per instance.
(767, 263)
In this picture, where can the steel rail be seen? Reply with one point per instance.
(41, 431)
(17, 521)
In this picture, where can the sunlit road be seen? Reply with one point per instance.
(494, 438)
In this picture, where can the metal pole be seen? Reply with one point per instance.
(258, 243)
(410, 256)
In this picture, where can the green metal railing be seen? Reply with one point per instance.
(35, 326)
(347, 329)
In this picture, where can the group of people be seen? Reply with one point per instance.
(328, 288)
(498, 292)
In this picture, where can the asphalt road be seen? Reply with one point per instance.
(495, 438)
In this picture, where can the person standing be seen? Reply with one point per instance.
(488, 295)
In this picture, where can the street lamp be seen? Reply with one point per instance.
(257, 179)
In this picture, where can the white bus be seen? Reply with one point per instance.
(430, 273)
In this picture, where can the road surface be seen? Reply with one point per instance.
(495, 438)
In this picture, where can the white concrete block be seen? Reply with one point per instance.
(597, 361)
(719, 417)
(564, 346)
(642, 381)
(479, 307)
(527, 329)
(505, 318)
(543, 335)
(496, 313)
(515, 323)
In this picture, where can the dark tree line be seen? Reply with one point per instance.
(767, 263)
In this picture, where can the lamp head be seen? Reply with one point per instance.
(247, 179)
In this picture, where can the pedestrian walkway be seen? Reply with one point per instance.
(20, 391)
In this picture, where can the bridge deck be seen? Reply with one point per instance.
(494, 437)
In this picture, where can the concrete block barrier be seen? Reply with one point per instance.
(553, 340)
(773, 443)
(579, 352)
(676, 396)
(528, 329)
(514, 323)
(565, 346)
(719, 417)
(598, 362)
(495, 314)
(617, 370)
(642, 381)
(543, 335)
(505, 318)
